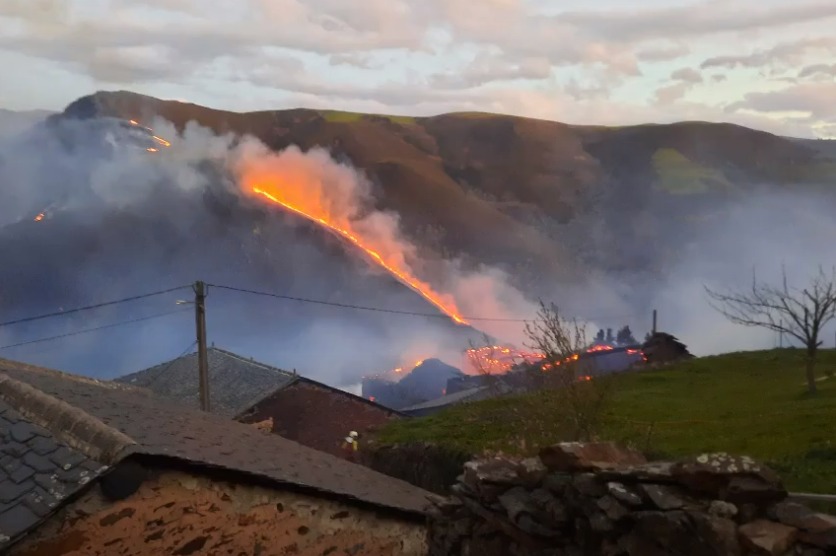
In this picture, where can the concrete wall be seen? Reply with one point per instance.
(185, 514)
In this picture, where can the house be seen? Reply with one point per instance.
(661, 348)
(235, 382)
(475, 394)
(298, 408)
(315, 414)
(96, 468)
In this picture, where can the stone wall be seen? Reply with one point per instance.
(185, 514)
(599, 499)
(433, 468)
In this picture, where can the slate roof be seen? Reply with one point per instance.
(301, 380)
(236, 383)
(37, 472)
(317, 415)
(462, 396)
(120, 420)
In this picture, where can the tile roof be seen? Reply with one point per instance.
(37, 472)
(236, 382)
(137, 421)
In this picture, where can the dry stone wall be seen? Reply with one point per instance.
(600, 499)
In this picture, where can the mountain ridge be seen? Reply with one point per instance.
(449, 176)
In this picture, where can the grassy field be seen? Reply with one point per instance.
(679, 175)
(337, 116)
(750, 403)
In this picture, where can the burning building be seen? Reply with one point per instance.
(399, 388)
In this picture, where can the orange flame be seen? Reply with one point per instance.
(40, 217)
(447, 306)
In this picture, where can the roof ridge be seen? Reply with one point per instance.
(253, 362)
(111, 384)
(72, 426)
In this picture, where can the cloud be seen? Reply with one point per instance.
(489, 68)
(814, 99)
(687, 75)
(410, 56)
(671, 93)
(782, 55)
(662, 53)
(823, 71)
(684, 80)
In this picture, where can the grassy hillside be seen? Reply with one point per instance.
(501, 189)
(747, 403)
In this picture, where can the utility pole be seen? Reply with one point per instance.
(654, 321)
(781, 334)
(202, 360)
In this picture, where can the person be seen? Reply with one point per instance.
(350, 446)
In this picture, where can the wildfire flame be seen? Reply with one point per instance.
(501, 359)
(446, 306)
(40, 217)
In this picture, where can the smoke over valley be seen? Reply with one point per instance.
(304, 210)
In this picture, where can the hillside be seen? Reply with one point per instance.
(751, 403)
(551, 204)
(13, 122)
(518, 192)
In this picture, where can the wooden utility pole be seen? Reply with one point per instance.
(781, 334)
(654, 321)
(202, 360)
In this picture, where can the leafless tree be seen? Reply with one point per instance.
(582, 393)
(484, 360)
(799, 313)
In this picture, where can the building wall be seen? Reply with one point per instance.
(317, 417)
(186, 514)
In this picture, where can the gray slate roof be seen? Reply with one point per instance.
(37, 472)
(476, 393)
(236, 383)
(119, 420)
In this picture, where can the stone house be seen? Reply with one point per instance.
(298, 408)
(95, 468)
(315, 414)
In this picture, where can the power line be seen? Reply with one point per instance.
(378, 309)
(173, 361)
(89, 307)
(86, 330)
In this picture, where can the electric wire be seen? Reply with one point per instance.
(90, 307)
(93, 329)
(379, 309)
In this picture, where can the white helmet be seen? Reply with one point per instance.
(353, 434)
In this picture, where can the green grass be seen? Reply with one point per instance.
(337, 116)
(751, 403)
(680, 175)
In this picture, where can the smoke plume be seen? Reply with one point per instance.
(129, 223)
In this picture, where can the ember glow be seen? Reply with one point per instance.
(497, 359)
(502, 359)
(293, 199)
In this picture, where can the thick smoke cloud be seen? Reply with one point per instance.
(130, 222)
(760, 233)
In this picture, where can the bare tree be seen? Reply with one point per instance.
(485, 360)
(580, 390)
(799, 313)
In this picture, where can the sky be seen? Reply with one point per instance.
(767, 64)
